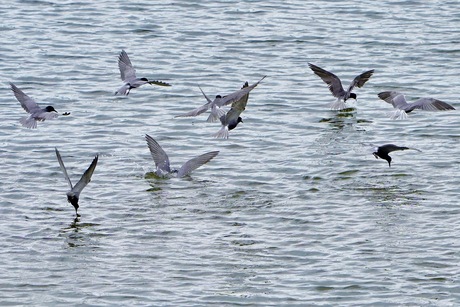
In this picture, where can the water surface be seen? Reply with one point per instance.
(294, 210)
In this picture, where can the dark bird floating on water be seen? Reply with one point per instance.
(74, 194)
(128, 75)
(37, 114)
(161, 160)
(402, 107)
(336, 88)
(216, 105)
(383, 151)
(232, 118)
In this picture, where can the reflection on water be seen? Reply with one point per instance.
(75, 234)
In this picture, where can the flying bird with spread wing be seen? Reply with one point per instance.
(232, 118)
(73, 195)
(128, 76)
(336, 88)
(398, 101)
(37, 114)
(383, 151)
(216, 105)
(162, 165)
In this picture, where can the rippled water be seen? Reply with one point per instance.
(294, 210)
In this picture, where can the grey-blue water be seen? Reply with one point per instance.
(294, 211)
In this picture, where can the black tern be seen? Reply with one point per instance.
(219, 102)
(232, 118)
(74, 194)
(402, 107)
(383, 151)
(161, 160)
(128, 75)
(336, 88)
(36, 113)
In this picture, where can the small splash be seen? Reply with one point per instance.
(154, 189)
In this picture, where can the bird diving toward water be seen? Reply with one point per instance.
(216, 105)
(383, 151)
(336, 88)
(403, 107)
(161, 160)
(37, 114)
(74, 194)
(232, 118)
(128, 75)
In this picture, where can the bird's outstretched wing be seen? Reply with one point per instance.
(391, 147)
(27, 103)
(199, 110)
(238, 95)
(237, 108)
(195, 163)
(332, 81)
(430, 104)
(360, 79)
(127, 71)
(396, 99)
(64, 170)
(158, 154)
(86, 177)
(205, 96)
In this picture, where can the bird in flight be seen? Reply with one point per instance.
(128, 76)
(74, 194)
(402, 107)
(220, 101)
(232, 118)
(383, 151)
(336, 88)
(37, 114)
(162, 165)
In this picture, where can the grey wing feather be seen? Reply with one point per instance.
(332, 81)
(195, 163)
(205, 96)
(86, 177)
(396, 99)
(238, 95)
(237, 108)
(64, 170)
(127, 71)
(196, 111)
(241, 103)
(27, 103)
(47, 115)
(199, 110)
(158, 154)
(430, 104)
(361, 79)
